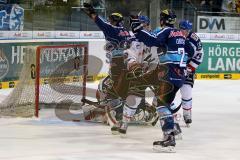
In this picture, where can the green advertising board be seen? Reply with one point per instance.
(11, 57)
(220, 57)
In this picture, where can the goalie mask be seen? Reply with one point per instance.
(116, 17)
(167, 18)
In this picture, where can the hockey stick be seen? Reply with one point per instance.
(139, 13)
(95, 104)
(175, 110)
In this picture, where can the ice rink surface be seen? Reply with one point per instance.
(214, 134)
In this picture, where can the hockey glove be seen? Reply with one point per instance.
(135, 24)
(88, 9)
(190, 76)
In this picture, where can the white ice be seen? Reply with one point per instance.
(214, 134)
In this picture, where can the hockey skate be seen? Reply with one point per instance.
(123, 129)
(187, 116)
(114, 129)
(167, 145)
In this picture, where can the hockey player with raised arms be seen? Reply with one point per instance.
(169, 75)
(118, 39)
(195, 57)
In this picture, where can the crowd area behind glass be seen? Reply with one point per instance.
(66, 15)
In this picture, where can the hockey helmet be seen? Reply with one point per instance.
(168, 17)
(185, 25)
(144, 19)
(116, 17)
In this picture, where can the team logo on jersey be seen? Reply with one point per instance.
(123, 33)
(4, 65)
(175, 34)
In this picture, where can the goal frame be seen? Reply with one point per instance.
(38, 68)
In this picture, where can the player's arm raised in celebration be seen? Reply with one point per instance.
(89, 10)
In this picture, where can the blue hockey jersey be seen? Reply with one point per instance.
(171, 52)
(195, 50)
(117, 35)
(118, 39)
(173, 42)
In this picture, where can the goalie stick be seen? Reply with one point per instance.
(108, 109)
(95, 104)
(175, 110)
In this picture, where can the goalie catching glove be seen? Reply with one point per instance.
(135, 71)
(88, 9)
(135, 24)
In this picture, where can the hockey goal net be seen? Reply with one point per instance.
(50, 75)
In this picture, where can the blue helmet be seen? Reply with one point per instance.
(185, 25)
(144, 19)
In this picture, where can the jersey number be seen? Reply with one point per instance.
(181, 51)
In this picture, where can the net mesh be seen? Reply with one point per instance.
(50, 76)
(21, 99)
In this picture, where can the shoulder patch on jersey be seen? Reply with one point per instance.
(194, 37)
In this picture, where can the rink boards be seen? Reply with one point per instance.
(221, 58)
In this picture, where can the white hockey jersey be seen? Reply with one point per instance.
(141, 54)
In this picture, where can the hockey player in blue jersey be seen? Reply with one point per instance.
(118, 39)
(169, 75)
(113, 29)
(195, 57)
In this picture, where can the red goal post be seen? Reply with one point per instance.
(48, 77)
(81, 53)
